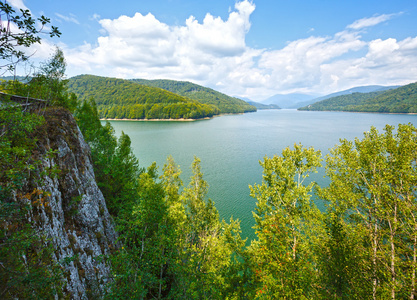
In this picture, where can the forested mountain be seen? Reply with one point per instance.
(225, 103)
(358, 89)
(399, 100)
(124, 99)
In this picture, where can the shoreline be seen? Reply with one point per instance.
(156, 120)
(171, 120)
(362, 112)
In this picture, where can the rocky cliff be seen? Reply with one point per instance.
(73, 213)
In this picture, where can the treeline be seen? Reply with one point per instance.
(181, 110)
(399, 100)
(224, 103)
(123, 99)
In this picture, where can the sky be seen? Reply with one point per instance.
(246, 48)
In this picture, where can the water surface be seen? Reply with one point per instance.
(231, 146)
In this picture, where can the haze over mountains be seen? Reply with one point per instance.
(296, 100)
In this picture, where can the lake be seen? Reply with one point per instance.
(231, 146)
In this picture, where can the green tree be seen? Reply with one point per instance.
(208, 248)
(372, 193)
(50, 84)
(27, 34)
(286, 221)
(115, 166)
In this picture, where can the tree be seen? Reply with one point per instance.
(115, 166)
(19, 31)
(282, 256)
(50, 84)
(372, 194)
(208, 250)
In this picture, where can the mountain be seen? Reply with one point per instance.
(23, 79)
(287, 100)
(359, 89)
(397, 100)
(263, 106)
(224, 103)
(125, 99)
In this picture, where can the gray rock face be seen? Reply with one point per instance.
(75, 218)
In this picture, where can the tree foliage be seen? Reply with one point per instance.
(372, 197)
(48, 84)
(19, 30)
(285, 218)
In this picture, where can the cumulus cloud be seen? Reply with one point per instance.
(213, 52)
(141, 44)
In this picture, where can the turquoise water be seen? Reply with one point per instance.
(231, 146)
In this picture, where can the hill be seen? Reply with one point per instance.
(224, 103)
(125, 99)
(358, 89)
(399, 100)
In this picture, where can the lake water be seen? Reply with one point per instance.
(231, 146)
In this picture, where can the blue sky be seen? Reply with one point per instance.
(252, 49)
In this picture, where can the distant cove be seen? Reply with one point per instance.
(230, 147)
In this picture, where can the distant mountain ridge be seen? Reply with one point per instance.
(402, 99)
(297, 100)
(358, 89)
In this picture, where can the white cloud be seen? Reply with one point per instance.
(18, 4)
(149, 47)
(71, 18)
(213, 52)
(368, 22)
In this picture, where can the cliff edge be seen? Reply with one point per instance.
(74, 216)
